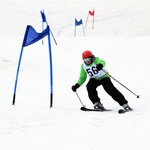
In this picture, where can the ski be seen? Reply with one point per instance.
(122, 111)
(90, 109)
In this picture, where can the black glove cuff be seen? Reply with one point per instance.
(77, 85)
(99, 66)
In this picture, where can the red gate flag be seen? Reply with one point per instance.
(91, 13)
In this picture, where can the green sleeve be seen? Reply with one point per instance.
(99, 61)
(83, 76)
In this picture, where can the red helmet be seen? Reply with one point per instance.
(87, 54)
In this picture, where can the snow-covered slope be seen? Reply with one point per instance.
(120, 37)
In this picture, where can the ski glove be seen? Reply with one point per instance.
(75, 87)
(99, 66)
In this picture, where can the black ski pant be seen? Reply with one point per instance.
(108, 87)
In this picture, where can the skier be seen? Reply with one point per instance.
(95, 68)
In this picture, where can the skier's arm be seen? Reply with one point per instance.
(99, 63)
(81, 79)
(83, 76)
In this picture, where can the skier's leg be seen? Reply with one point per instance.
(113, 92)
(91, 89)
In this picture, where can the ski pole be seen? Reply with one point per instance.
(121, 84)
(80, 99)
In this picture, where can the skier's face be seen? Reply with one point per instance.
(87, 60)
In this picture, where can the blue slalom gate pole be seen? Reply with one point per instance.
(17, 74)
(30, 37)
(74, 30)
(83, 30)
(51, 71)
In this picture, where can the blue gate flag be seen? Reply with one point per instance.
(31, 36)
(44, 20)
(77, 23)
(43, 16)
